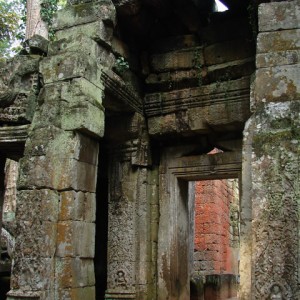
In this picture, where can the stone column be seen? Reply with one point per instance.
(273, 150)
(2, 176)
(56, 189)
(10, 197)
(129, 245)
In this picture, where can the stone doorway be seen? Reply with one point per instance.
(12, 140)
(8, 197)
(174, 239)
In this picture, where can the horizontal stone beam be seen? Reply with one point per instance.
(115, 86)
(13, 134)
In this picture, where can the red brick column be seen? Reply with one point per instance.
(212, 252)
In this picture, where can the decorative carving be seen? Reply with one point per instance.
(120, 279)
(121, 276)
(276, 229)
(20, 83)
(10, 134)
(235, 91)
(121, 227)
(118, 88)
(276, 292)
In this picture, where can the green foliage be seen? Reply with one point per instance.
(13, 20)
(48, 9)
(10, 25)
(61, 4)
(121, 65)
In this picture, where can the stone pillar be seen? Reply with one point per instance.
(57, 183)
(129, 245)
(10, 197)
(2, 175)
(272, 158)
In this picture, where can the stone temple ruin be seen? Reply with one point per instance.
(106, 136)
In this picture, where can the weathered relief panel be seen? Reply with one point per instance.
(272, 159)
(20, 84)
(129, 245)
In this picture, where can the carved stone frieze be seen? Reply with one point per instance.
(118, 88)
(234, 91)
(129, 139)
(20, 84)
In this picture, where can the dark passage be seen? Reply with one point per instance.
(4, 287)
(101, 224)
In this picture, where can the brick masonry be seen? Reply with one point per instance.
(213, 235)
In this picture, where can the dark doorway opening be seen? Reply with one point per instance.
(101, 223)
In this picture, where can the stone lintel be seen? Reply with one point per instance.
(220, 165)
(231, 91)
(22, 295)
(13, 134)
(118, 88)
(121, 295)
(12, 141)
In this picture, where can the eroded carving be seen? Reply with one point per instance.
(120, 279)
(19, 85)
(276, 231)
(276, 292)
(121, 226)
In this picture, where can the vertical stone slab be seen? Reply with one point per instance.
(173, 234)
(153, 201)
(245, 268)
(129, 269)
(275, 200)
(2, 176)
(128, 231)
(272, 158)
(121, 231)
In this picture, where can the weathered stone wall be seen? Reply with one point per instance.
(57, 183)
(272, 160)
(199, 85)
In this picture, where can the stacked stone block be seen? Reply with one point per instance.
(272, 148)
(56, 190)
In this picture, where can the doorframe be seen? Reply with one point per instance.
(176, 170)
